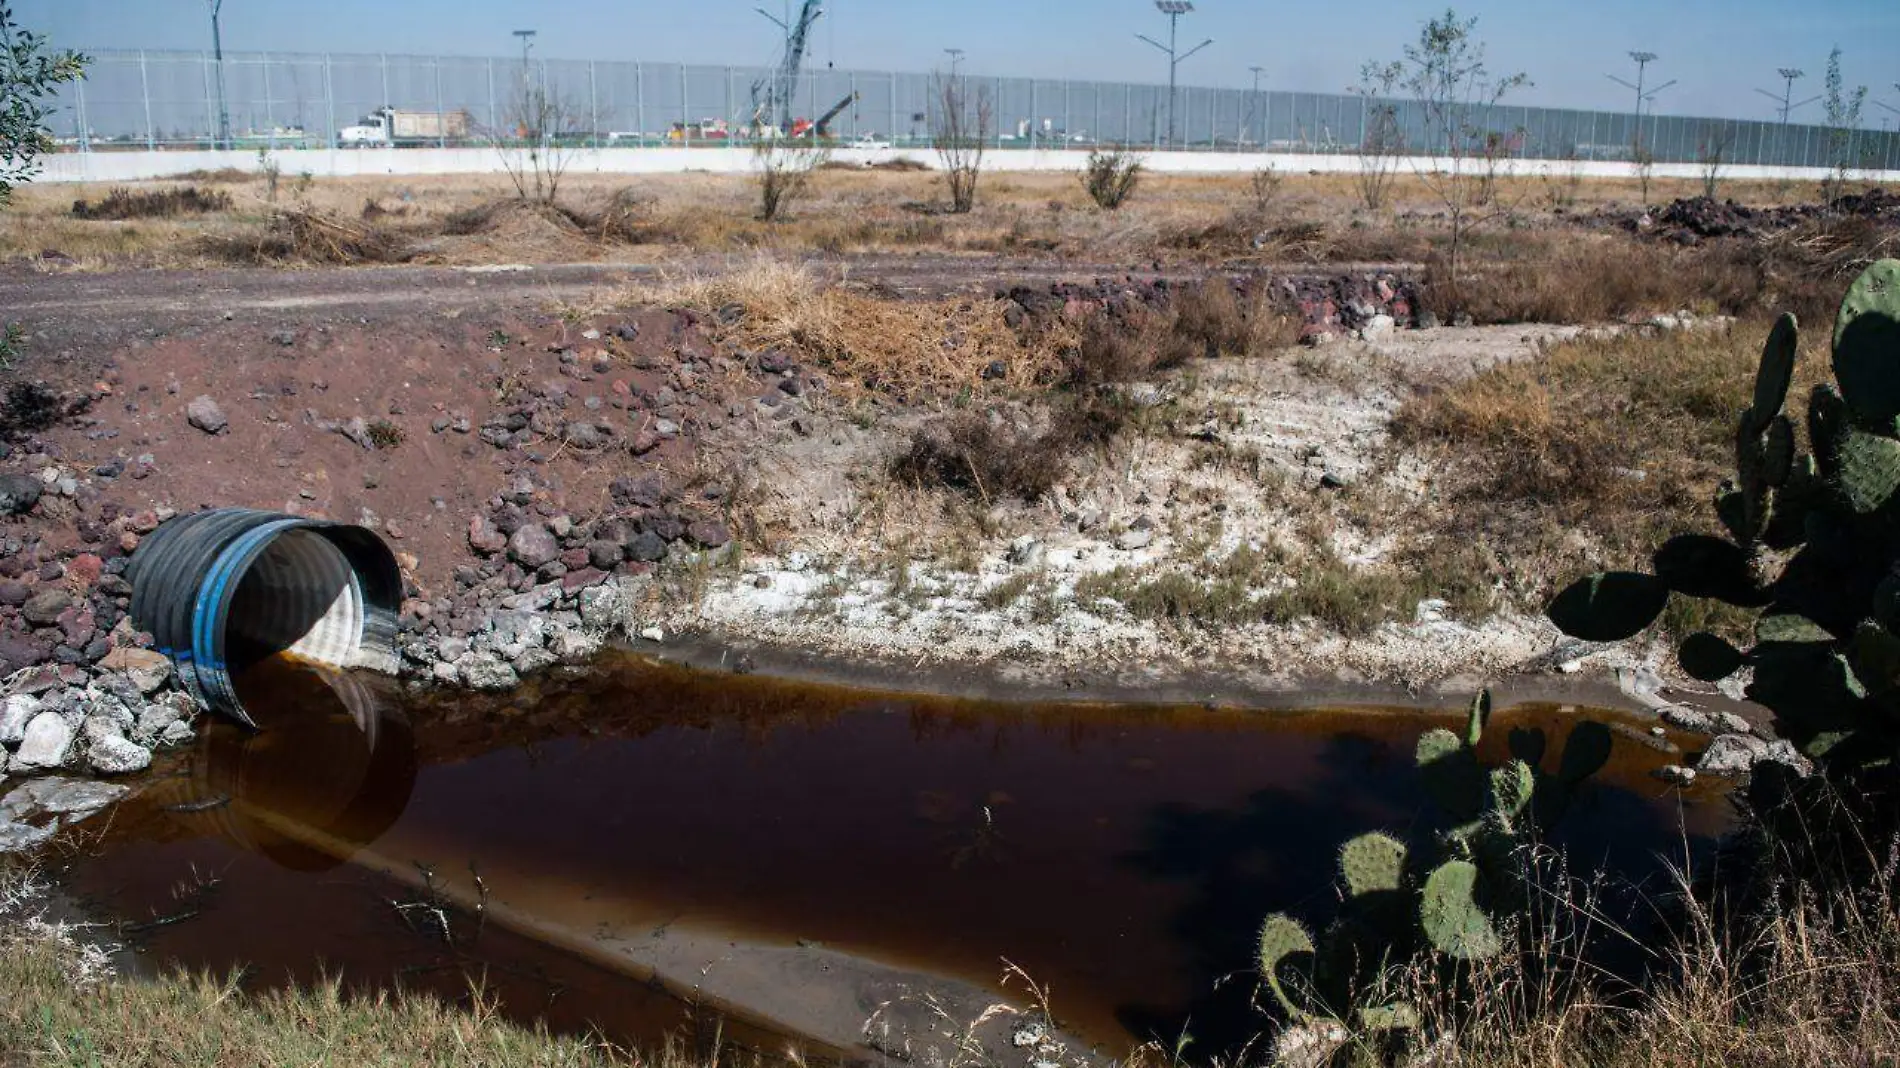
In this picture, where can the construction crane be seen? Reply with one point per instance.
(822, 128)
(774, 95)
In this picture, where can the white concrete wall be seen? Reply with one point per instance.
(325, 163)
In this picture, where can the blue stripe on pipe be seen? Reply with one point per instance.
(205, 617)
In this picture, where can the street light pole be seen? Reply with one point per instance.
(1643, 60)
(1174, 9)
(1786, 99)
(217, 54)
(956, 57)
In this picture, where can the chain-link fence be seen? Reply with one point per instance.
(149, 100)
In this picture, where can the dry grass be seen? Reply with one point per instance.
(60, 1005)
(1594, 454)
(1567, 277)
(1815, 984)
(1179, 217)
(910, 349)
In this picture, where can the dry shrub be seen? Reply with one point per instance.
(222, 176)
(1805, 269)
(908, 348)
(1110, 176)
(619, 218)
(305, 236)
(373, 210)
(1201, 320)
(125, 203)
(1209, 315)
(900, 164)
(991, 457)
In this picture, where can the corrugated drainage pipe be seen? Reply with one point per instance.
(222, 589)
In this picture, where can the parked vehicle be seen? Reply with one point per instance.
(393, 127)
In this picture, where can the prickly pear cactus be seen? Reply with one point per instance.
(1814, 546)
(1457, 899)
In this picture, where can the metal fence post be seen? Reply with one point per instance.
(211, 107)
(593, 107)
(639, 102)
(1035, 123)
(384, 57)
(686, 119)
(494, 120)
(329, 101)
(892, 132)
(270, 114)
(441, 108)
(145, 93)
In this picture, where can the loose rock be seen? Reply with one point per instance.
(204, 413)
(47, 743)
(18, 494)
(533, 546)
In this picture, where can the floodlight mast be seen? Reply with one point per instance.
(1174, 9)
(1643, 96)
(1789, 75)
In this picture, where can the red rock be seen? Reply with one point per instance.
(144, 522)
(484, 538)
(84, 570)
(586, 576)
(575, 558)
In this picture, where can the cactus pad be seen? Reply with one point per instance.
(1869, 469)
(1777, 369)
(1512, 787)
(1451, 774)
(1777, 461)
(1282, 938)
(1708, 658)
(1609, 606)
(1867, 345)
(1453, 921)
(1372, 862)
(1479, 716)
(1789, 628)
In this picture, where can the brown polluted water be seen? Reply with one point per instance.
(644, 848)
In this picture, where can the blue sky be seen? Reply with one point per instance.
(1720, 50)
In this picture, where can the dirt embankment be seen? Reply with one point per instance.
(521, 452)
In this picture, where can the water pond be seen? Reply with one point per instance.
(647, 849)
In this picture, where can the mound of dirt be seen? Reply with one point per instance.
(1693, 218)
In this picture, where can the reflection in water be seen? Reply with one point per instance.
(1123, 856)
(330, 769)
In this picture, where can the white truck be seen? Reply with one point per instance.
(394, 127)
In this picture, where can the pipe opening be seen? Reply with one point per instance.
(299, 596)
